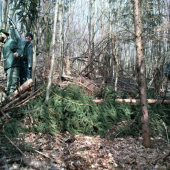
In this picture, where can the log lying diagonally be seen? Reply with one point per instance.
(22, 89)
(16, 96)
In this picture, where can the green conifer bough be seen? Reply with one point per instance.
(72, 110)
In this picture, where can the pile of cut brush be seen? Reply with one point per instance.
(16, 98)
(46, 135)
(72, 109)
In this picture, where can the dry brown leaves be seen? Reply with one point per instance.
(82, 152)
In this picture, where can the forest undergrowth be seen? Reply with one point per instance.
(72, 111)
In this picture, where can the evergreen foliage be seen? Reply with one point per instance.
(72, 110)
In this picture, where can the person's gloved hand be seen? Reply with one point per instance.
(10, 21)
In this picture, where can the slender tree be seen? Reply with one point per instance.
(91, 35)
(1, 12)
(53, 50)
(61, 14)
(141, 73)
(6, 10)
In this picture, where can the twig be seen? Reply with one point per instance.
(163, 158)
(14, 145)
(43, 154)
(166, 156)
(52, 159)
(87, 66)
(81, 84)
(2, 113)
(28, 97)
(88, 72)
(31, 98)
(129, 75)
(2, 124)
(14, 101)
(22, 103)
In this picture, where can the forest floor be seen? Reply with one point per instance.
(81, 152)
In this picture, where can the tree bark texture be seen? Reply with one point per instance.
(91, 35)
(34, 57)
(61, 47)
(149, 101)
(6, 11)
(53, 51)
(141, 73)
(28, 84)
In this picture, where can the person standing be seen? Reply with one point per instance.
(11, 58)
(27, 54)
(26, 59)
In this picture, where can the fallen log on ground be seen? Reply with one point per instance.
(150, 101)
(22, 89)
(17, 95)
(24, 100)
(22, 96)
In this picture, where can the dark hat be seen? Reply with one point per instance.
(5, 32)
(29, 34)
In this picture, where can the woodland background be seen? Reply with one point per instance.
(93, 44)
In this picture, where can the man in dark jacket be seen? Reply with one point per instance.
(11, 57)
(27, 53)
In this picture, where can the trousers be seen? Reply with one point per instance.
(12, 79)
(25, 72)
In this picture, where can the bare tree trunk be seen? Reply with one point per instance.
(117, 65)
(61, 70)
(91, 35)
(53, 51)
(6, 9)
(34, 65)
(1, 9)
(67, 60)
(141, 73)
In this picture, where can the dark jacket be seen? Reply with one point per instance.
(28, 54)
(9, 48)
(27, 49)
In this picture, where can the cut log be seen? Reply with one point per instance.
(22, 89)
(18, 93)
(97, 100)
(22, 96)
(150, 101)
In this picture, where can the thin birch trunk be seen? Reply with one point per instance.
(53, 51)
(34, 57)
(61, 70)
(91, 35)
